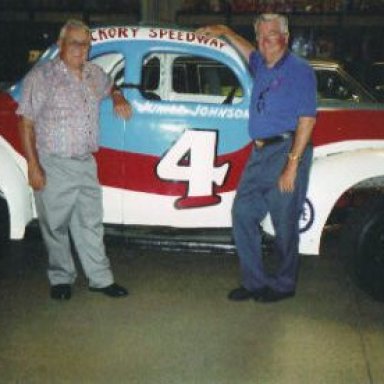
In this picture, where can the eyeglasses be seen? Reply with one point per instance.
(271, 36)
(260, 103)
(77, 44)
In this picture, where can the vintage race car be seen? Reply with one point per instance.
(178, 160)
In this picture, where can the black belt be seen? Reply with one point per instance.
(260, 143)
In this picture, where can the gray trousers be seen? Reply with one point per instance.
(71, 204)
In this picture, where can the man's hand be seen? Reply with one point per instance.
(121, 106)
(301, 139)
(288, 177)
(214, 30)
(36, 176)
(242, 45)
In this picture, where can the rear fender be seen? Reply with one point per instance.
(330, 178)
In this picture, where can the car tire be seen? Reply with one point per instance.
(4, 223)
(363, 246)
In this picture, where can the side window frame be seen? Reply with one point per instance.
(168, 94)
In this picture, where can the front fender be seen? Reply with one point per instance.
(14, 188)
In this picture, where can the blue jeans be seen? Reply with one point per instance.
(258, 193)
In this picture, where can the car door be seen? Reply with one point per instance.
(110, 57)
(187, 141)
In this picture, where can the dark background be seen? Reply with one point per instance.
(350, 31)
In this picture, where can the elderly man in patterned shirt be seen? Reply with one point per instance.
(59, 130)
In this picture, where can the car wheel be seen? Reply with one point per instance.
(363, 246)
(4, 222)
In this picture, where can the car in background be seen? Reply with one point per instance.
(335, 84)
(177, 162)
(375, 78)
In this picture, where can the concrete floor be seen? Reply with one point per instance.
(177, 327)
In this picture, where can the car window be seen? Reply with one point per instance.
(336, 85)
(113, 64)
(195, 77)
(173, 77)
(151, 74)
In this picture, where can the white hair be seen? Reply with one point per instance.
(73, 23)
(266, 17)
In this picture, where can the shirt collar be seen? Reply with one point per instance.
(59, 64)
(282, 59)
(63, 68)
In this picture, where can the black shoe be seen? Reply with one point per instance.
(61, 292)
(241, 294)
(112, 290)
(271, 296)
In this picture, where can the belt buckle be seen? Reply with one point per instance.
(286, 135)
(259, 143)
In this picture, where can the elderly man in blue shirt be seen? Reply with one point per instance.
(282, 116)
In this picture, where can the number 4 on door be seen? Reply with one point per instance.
(192, 160)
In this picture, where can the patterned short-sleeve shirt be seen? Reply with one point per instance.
(64, 109)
